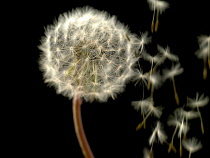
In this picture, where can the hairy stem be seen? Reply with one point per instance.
(79, 128)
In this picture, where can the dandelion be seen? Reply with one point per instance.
(85, 55)
(157, 135)
(192, 145)
(147, 108)
(204, 52)
(177, 120)
(197, 103)
(158, 7)
(175, 70)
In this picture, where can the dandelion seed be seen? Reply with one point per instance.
(204, 40)
(175, 70)
(197, 103)
(186, 115)
(177, 120)
(204, 52)
(85, 55)
(147, 108)
(192, 145)
(157, 7)
(165, 53)
(158, 134)
(142, 41)
(155, 81)
(140, 77)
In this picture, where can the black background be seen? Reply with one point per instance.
(42, 125)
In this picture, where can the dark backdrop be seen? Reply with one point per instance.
(42, 124)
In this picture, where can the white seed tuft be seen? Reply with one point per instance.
(86, 53)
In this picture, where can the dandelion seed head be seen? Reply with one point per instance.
(86, 53)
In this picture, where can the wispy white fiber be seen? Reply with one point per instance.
(86, 53)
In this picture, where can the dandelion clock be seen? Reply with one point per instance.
(87, 55)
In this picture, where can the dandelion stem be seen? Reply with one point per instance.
(180, 145)
(152, 91)
(199, 113)
(209, 55)
(190, 154)
(150, 152)
(185, 133)
(143, 122)
(204, 69)
(171, 146)
(153, 18)
(79, 128)
(157, 21)
(175, 92)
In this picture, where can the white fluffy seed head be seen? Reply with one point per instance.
(86, 53)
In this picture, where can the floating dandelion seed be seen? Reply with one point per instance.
(165, 53)
(85, 55)
(177, 120)
(204, 52)
(147, 108)
(187, 115)
(197, 103)
(192, 145)
(158, 134)
(158, 7)
(175, 70)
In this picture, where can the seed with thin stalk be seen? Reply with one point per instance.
(174, 71)
(204, 52)
(140, 77)
(187, 115)
(147, 108)
(158, 134)
(192, 145)
(85, 54)
(199, 101)
(165, 53)
(177, 120)
(158, 7)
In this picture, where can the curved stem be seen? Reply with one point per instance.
(79, 128)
